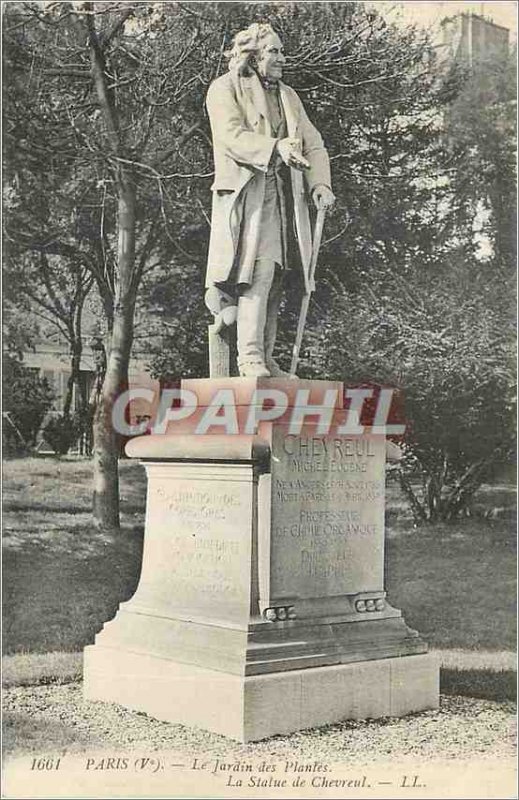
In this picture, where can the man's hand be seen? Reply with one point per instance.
(323, 196)
(222, 306)
(290, 152)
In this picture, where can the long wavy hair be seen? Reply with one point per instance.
(246, 47)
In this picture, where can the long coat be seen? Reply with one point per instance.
(243, 147)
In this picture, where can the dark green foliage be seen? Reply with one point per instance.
(445, 341)
(61, 433)
(179, 345)
(26, 398)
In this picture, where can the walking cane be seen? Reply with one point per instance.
(309, 288)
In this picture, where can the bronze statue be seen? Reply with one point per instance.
(270, 162)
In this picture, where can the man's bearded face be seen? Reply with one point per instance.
(272, 58)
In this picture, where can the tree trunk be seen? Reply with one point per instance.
(67, 403)
(106, 439)
(74, 378)
(106, 474)
(417, 508)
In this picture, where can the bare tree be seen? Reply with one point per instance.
(108, 94)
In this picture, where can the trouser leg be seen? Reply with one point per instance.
(271, 328)
(271, 324)
(252, 316)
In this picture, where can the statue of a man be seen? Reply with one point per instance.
(270, 162)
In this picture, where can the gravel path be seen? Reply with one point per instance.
(463, 728)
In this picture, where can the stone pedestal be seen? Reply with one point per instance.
(261, 606)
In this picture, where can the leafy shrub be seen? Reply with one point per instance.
(61, 433)
(26, 397)
(447, 344)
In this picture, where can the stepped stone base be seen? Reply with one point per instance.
(248, 708)
(261, 606)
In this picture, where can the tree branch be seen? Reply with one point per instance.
(68, 73)
(98, 66)
(118, 24)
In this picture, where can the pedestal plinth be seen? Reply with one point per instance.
(261, 606)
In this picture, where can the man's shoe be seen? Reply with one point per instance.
(276, 371)
(258, 370)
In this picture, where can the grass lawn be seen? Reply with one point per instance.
(63, 579)
(456, 583)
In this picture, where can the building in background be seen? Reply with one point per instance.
(51, 360)
(473, 39)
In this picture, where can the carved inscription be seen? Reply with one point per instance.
(197, 508)
(297, 489)
(327, 515)
(320, 454)
(199, 540)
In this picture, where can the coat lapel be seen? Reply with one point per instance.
(255, 97)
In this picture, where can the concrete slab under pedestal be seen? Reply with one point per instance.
(249, 708)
